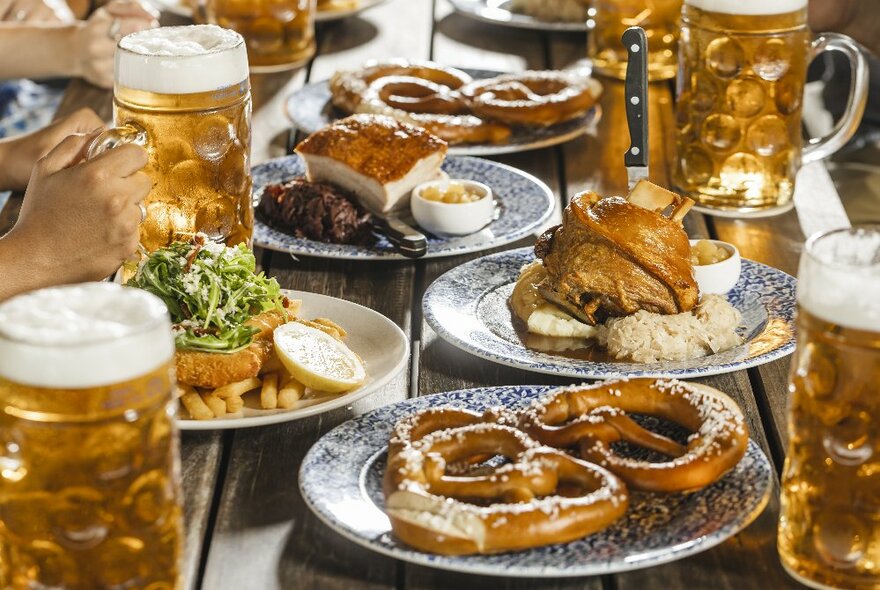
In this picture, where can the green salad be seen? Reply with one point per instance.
(211, 290)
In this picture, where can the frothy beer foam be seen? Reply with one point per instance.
(181, 60)
(84, 335)
(839, 279)
(749, 7)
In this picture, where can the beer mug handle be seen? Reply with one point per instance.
(115, 137)
(822, 147)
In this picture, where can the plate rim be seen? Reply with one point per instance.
(674, 553)
(586, 373)
(591, 118)
(332, 404)
(519, 21)
(372, 256)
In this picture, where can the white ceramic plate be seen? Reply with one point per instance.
(497, 12)
(381, 344)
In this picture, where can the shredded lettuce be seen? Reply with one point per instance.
(211, 290)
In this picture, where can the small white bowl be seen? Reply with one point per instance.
(453, 219)
(718, 278)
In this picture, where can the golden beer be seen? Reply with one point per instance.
(608, 19)
(280, 34)
(89, 473)
(186, 89)
(829, 530)
(742, 70)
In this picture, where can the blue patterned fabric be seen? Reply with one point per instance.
(26, 106)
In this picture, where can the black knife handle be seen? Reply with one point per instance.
(636, 91)
(409, 241)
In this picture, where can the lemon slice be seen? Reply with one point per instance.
(317, 360)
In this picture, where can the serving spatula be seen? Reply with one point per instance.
(636, 93)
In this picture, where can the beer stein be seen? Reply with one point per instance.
(607, 21)
(90, 479)
(742, 71)
(184, 93)
(828, 533)
(280, 34)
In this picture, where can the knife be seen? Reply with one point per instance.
(406, 239)
(636, 92)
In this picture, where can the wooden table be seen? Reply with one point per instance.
(247, 526)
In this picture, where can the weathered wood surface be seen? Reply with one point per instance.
(247, 524)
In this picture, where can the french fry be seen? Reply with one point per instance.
(197, 408)
(269, 393)
(237, 389)
(182, 389)
(217, 405)
(290, 393)
(234, 404)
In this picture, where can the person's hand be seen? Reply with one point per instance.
(35, 11)
(831, 15)
(20, 153)
(79, 219)
(95, 42)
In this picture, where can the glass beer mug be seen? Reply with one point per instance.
(828, 530)
(607, 21)
(89, 462)
(280, 34)
(742, 70)
(184, 93)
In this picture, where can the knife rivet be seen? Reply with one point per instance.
(635, 151)
(634, 48)
(634, 100)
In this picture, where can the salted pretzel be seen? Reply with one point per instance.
(434, 107)
(541, 496)
(349, 87)
(532, 98)
(592, 418)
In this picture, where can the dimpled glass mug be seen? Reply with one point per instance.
(742, 71)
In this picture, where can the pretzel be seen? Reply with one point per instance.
(421, 93)
(532, 98)
(542, 496)
(592, 418)
(348, 88)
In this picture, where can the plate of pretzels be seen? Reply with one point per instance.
(477, 112)
(534, 481)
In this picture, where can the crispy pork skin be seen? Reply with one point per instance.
(376, 158)
(613, 258)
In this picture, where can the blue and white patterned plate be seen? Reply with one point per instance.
(310, 109)
(525, 204)
(467, 306)
(341, 481)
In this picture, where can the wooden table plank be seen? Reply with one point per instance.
(261, 513)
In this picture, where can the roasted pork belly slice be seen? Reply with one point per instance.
(376, 158)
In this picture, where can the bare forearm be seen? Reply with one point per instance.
(50, 51)
(20, 270)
